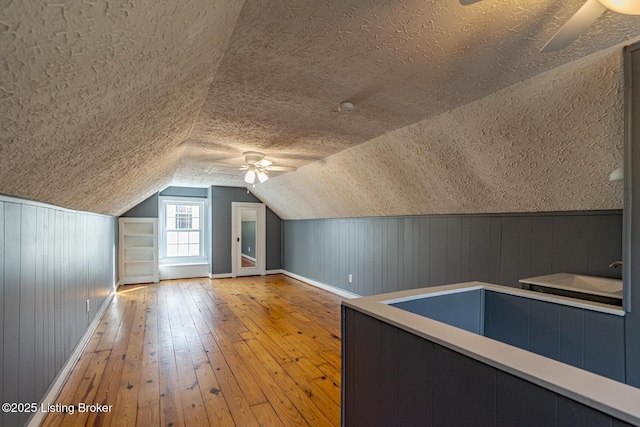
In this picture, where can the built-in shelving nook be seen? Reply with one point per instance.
(138, 250)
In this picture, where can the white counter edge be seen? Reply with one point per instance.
(611, 397)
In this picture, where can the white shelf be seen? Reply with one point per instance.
(138, 260)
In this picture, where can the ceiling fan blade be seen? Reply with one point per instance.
(226, 166)
(468, 2)
(263, 163)
(277, 168)
(575, 26)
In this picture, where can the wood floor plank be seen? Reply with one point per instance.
(231, 352)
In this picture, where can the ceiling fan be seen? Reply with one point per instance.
(256, 166)
(583, 18)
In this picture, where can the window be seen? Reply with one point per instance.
(182, 228)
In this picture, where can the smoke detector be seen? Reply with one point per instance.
(345, 107)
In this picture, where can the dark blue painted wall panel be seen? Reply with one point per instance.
(586, 339)
(462, 310)
(391, 377)
(388, 254)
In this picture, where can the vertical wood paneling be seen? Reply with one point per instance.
(479, 249)
(541, 245)
(2, 300)
(11, 333)
(51, 312)
(525, 245)
(425, 255)
(388, 254)
(27, 304)
(571, 244)
(389, 354)
(40, 325)
(408, 256)
(393, 250)
(604, 344)
(438, 252)
(509, 259)
(465, 247)
(572, 336)
(368, 286)
(605, 241)
(495, 241)
(377, 258)
(57, 259)
(454, 243)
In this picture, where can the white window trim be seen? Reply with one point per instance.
(163, 201)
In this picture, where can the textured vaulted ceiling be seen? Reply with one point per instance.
(104, 103)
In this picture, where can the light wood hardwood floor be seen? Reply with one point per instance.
(198, 352)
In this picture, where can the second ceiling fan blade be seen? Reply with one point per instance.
(277, 168)
(575, 26)
(468, 2)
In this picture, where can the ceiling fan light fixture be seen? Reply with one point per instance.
(250, 177)
(262, 177)
(626, 7)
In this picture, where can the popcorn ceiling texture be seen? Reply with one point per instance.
(104, 103)
(96, 97)
(546, 144)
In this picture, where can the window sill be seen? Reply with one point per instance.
(176, 262)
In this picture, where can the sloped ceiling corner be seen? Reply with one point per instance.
(545, 144)
(96, 97)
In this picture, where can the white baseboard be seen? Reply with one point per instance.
(60, 379)
(220, 276)
(332, 289)
(278, 271)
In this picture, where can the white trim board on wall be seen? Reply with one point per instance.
(324, 286)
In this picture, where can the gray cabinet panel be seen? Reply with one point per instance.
(455, 403)
(572, 414)
(508, 319)
(520, 403)
(415, 388)
(544, 329)
(389, 376)
(604, 344)
(571, 336)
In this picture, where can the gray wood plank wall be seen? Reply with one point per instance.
(51, 261)
(391, 377)
(396, 253)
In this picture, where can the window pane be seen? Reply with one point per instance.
(171, 210)
(194, 237)
(172, 237)
(171, 222)
(172, 250)
(183, 250)
(196, 224)
(194, 250)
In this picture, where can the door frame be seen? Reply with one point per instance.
(236, 235)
